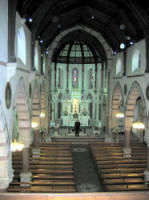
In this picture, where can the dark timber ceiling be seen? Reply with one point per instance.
(50, 17)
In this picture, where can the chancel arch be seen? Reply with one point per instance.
(80, 61)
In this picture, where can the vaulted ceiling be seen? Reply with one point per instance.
(50, 17)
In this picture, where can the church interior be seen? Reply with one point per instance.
(74, 99)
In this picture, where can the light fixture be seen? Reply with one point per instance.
(16, 146)
(138, 125)
(119, 115)
(92, 17)
(131, 42)
(42, 115)
(122, 45)
(128, 37)
(41, 41)
(122, 27)
(34, 124)
(30, 19)
(114, 52)
(55, 19)
(59, 26)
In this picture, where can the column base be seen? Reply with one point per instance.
(3, 191)
(146, 176)
(108, 139)
(25, 179)
(127, 152)
(4, 184)
(36, 152)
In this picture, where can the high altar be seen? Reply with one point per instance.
(75, 109)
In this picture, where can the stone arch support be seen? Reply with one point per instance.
(117, 100)
(22, 108)
(36, 104)
(6, 172)
(134, 92)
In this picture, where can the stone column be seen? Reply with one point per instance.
(26, 175)
(146, 172)
(36, 148)
(6, 171)
(127, 148)
(108, 135)
(12, 5)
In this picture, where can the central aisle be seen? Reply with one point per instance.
(86, 177)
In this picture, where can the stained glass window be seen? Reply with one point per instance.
(91, 78)
(75, 78)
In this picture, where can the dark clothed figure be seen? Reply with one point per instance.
(77, 128)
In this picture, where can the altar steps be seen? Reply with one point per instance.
(77, 140)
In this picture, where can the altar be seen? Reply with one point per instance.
(69, 121)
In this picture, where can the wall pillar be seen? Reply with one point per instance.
(36, 148)
(127, 148)
(108, 136)
(26, 175)
(146, 172)
(11, 29)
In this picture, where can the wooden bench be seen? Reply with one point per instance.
(45, 189)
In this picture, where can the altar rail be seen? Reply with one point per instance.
(77, 196)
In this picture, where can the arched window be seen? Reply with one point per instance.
(136, 60)
(44, 65)
(118, 67)
(21, 45)
(36, 58)
(91, 78)
(60, 78)
(75, 78)
(90, 109)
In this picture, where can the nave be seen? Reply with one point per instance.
(58, 168)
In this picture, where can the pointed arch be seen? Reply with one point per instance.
(117, 100)
(22, 108)
(134, 93)
(92, 32)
